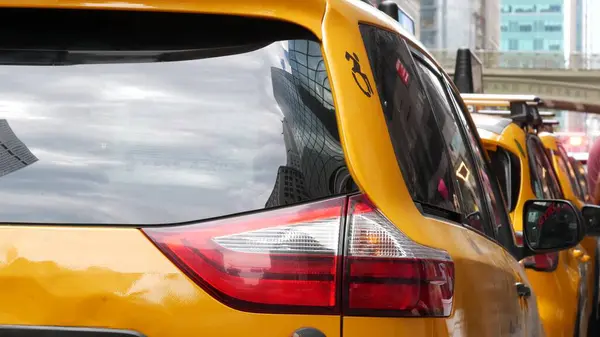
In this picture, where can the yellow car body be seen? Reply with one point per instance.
(572, 189)
(558, 289)
(111, 261)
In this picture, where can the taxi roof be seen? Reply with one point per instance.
(307, 13)
(488, 123)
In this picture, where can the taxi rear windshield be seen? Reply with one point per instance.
(150, 118)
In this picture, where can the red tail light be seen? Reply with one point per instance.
(389, 274)
(540, 262)
(284, 260)
(288, 260)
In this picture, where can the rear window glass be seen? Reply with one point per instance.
(133, 140)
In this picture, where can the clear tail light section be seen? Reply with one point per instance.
(388, 274)
(282, 260)
(539, 262)
(292, 260)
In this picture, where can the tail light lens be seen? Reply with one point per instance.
(283, 260)
(540, 262)
(387, 274)
(289, 260)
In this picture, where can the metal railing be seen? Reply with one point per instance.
(524, 60)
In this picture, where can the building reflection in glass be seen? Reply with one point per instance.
(14, 154)
(315, 162)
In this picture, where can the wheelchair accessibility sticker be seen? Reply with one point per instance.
(361, 79)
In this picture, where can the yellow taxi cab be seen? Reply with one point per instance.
(269, 168)
(581, 175)
(578, 163)
(525, 172)
(571, 191)
(569, 173)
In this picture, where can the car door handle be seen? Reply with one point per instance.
(523, 290)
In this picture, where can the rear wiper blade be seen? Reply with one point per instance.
(73, 57)
(66, 58)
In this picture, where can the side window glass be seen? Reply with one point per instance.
(536, 167)
(545, 183)
(581, 178)
(552, 179)
(413, 130)
(507, 168)
(496, 204)
(502, 225)
(501, 167)
(472, 200)
(565, 163)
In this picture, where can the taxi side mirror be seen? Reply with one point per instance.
(550, 226)
(591, 219)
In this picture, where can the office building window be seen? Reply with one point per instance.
(513, 44)
(525, 9)
(525, 28)
(513, 26)
(428, 18)
(539, 25)
(550, 9)
(504, 28)
(538, 44)
(554, 45)
(553, 27)
(506, 9)
(526, 44)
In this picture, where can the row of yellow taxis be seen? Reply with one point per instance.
(272, 168)
(531, 163)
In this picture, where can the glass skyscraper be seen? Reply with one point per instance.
(556, 29)
(453, 24)
(532, 25)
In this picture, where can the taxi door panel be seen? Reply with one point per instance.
(528, 304)
(499, 279)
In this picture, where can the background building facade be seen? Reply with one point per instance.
(412, 9)
(409, 13)
(538, 25)
(453, 24)
(542, 26)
